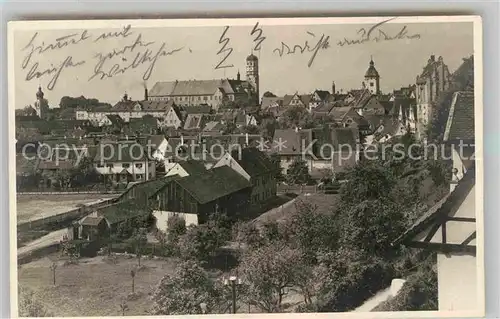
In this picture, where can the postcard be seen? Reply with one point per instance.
(318, 167)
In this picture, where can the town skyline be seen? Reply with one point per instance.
(344, 65)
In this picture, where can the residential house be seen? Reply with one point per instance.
(449, 228)
(195, 122)
(146, 125)
(333, 150)
(220, 190)
(257, 168)
(186, 168)
(104, 221)
(124, 161)
(172, 119)
(290, 145)
(271, 102)
(318, 97)
(296, 100)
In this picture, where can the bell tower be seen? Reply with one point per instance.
(372, 79)
(252, 72)
(41, 105)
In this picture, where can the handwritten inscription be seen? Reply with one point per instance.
(107, 64)
(67, 40)
(377, 34)
(257, 32)
(55, 71)
(148, 57)
(322, 44)
(224, 50)
(125, 32)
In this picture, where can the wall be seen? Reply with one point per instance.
(62, 218)
(457, 282)
(163, 216)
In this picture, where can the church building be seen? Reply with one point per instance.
(41, 105)
(372, 79)
(210, 92)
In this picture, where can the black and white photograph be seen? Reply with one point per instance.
(300, 166)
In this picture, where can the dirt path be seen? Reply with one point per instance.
(45, 241)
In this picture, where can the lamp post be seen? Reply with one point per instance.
(233, 281)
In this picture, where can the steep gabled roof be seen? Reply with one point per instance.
(460, 124)
(213, 184)
(253, 161)
(122, 211)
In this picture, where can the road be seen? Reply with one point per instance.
(45, 241)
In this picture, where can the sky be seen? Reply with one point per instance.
(193, 54)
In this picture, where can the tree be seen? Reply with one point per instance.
(372, 225)
(139, 240)
(268, 94)
(184, 292)
(367, 180)
(199, 243)
(298, 172)
(29, 304)
(176, 227)
(53, 268)
(132, 275)
(269, 272)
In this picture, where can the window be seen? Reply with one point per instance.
(205, 98)
(371, 83)
(138, 165)
(126, 165)
(109, 165)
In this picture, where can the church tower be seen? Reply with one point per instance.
(41, 104)
(253, 74)
(372, 79)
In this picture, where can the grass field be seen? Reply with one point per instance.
(94, 287)
(31, 207)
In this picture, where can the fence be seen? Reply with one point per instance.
(312, 189)
(71, 193)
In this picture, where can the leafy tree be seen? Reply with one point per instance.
(248, 234)
(298, 173)
(80, 102)
(275, 159)
(311, 231)
(268, 94)
(176, 227)
(200, 242)
(183, 292)
(367, 181)
(372, 226)
(270, 272)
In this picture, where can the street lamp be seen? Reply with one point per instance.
(233, 281)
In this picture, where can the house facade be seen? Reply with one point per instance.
(255, 167)
(434, 79)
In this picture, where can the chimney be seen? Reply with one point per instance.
(125, 97)
(145, 93)
(238, 77)
(333, 88)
